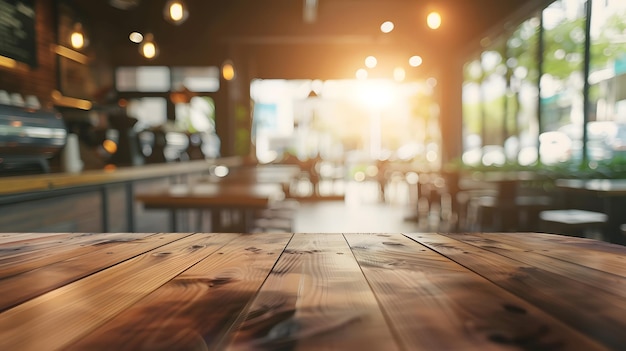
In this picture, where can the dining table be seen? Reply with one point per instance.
(517, 201)
(257, 173)
(232, 206)
(310, 291)
(612, 193)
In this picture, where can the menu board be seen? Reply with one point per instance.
(17, 31)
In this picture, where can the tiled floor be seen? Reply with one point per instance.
(362, 211)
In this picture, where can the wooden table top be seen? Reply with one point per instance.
(269, 291)
(602, 187)
(270, 173)
(212, 195)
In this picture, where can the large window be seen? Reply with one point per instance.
(531, 103)
(606, 133)
(562, 80)
(523, 75)
(500, 100)
(361, 120)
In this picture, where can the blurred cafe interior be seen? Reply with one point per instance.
(397, 115)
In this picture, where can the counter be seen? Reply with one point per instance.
(92, 201)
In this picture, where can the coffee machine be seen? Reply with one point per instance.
(29, 138)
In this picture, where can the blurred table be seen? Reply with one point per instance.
(613, 194)
(510, 201)
(238, 199)
(270, 291)
(270, 173)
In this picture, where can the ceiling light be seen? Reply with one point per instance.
(148, 48)
(371, 62)
(433, 20)
(175, 11)
(135, 37)
(386, 27)
(77, 38)
(228, 70)
(415, 61)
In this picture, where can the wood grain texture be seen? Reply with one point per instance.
(104, 252)
(13, 237)
(284, 291)
(593, 312)
(55, 319)
(433, 303)
(195, 309)
(22, 256)
(601, 279)
(315, 298)
(600, 255)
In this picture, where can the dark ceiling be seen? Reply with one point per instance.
(272, 39)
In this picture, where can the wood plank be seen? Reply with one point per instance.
(57, 318)
(591, 311)
(40, 253)
(175, 315)
(315, 298)
(433, 303)
(600, 255)
(106, 252)
(13, 237)
(35, 243)
(608, 282)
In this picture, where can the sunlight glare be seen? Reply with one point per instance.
(361, 74)
(376, 94)
(399, 74)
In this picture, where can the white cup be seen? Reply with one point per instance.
(70, 158)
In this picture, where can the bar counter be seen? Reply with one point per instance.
(94, 200)
(43, 182)
(294, 291)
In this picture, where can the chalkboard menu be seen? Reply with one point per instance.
(17, 31)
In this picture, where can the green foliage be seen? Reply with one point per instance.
(614, 168)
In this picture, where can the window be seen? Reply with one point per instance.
(142, 79)
(196, 79)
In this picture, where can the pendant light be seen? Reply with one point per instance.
(148, 47)
(228, 70)
(77, 38)
(175, 11)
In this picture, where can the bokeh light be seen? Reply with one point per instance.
(361, 73)
(387, 27)
(433, 20)
(371, 62)
(415, 61)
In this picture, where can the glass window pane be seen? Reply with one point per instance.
(472, 114)
(149, 111)
(143, 79)
(522, 63)
(197, 79)
(562, 81)
(607, 81)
